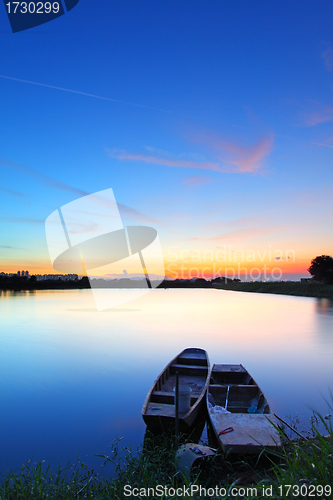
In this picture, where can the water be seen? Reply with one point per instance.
(73, 379)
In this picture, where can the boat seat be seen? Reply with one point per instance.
(161, 409)
(167, 397)
(195, 369)
(225, 386)
(168, 393)
(201, 361)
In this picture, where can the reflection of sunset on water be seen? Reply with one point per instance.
(58, 352)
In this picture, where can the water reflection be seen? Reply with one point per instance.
(324, 306)
(74, 379)
(323, 328)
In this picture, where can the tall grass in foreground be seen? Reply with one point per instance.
(306, 463)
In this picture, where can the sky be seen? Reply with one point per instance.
(212, 122)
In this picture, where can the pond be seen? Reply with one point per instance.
(73, 379)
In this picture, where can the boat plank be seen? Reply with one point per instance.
(190, 367)
(250, 431)
(248, 412)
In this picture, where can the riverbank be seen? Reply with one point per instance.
(305, 465)
(282, 288)
(306, 289)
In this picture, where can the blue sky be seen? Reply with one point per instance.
(211, 121)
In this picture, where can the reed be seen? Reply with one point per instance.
(306, 463)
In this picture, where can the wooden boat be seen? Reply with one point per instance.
(246, 427)
(193, 368)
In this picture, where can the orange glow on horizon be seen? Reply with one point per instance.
(187, 264)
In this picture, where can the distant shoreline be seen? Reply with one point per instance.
(318, 290)
(281, 288)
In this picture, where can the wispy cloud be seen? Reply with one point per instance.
(121, 154)
(245, 159)
(83, 93)
(196, 181)
(24, 220)
(327, 144)
(232, 158)
(12, 193)
(323, 144)
(243, 234)
(327, 56)
(40, 178)
(323, 114)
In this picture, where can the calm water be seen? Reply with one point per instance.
(72, 379)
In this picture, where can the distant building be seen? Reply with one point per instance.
(53, 277)
(19, 273)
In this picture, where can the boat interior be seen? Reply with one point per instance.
(192, 370)
(233, 386)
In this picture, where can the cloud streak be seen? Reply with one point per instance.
(232, 158)
(121, 154)
(245, 159)
(243, 234)
(12, 193)
(24, 220)
(322, 115)
(323, 144)
(327, 57)
(125, 211)
(83, 93)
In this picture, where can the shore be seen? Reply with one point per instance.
(306, 289)
(282, 288)
(303, 467)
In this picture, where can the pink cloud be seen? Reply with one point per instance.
(161, 160)
(232, 158)
(245, 158)
(325, 114)
(196, 181)
(327, 56)
(323, 144)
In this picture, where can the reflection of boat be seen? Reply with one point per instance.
(193, 368)
(239, 412)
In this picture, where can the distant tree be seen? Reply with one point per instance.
(33, 279)
(321, 269)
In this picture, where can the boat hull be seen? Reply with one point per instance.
(193, 369)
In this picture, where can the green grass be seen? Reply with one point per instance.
(306, 463)
(285, 288)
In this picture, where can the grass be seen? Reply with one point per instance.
(285, 288)
(306, 464)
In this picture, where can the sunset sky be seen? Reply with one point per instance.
(211, 121)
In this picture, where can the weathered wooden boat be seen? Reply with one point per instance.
(193, 369)
(239, 413)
